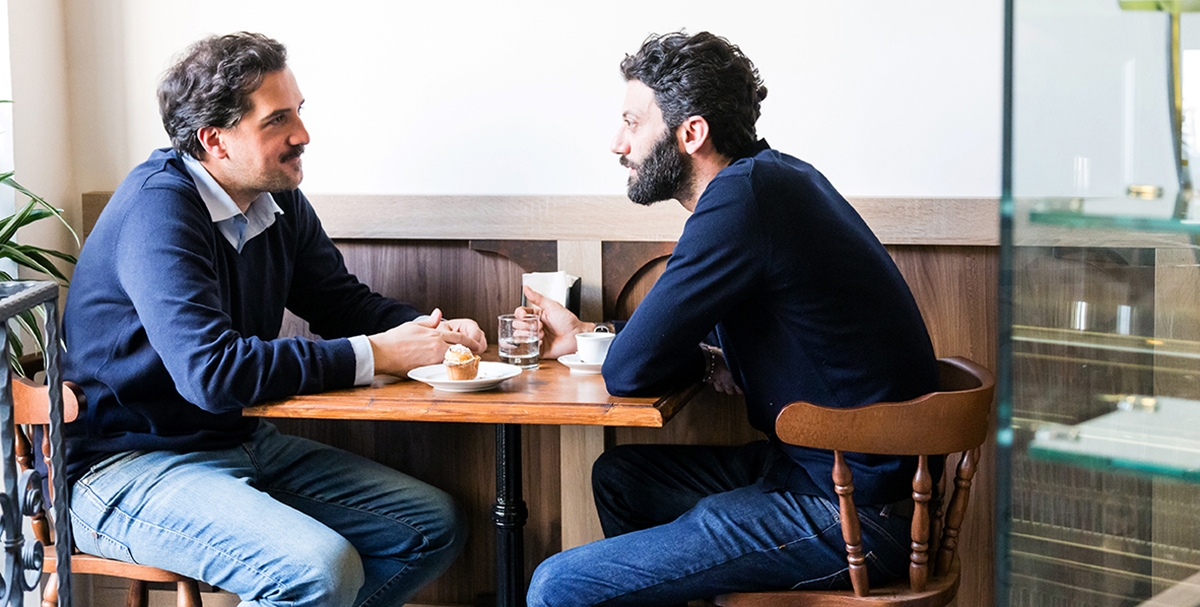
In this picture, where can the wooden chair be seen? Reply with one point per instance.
(953, 420)
(32, 408)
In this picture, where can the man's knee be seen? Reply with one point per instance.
(327, 573)
(445, 539)
(553, 584)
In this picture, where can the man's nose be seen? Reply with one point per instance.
(300, 135)
(620, 143)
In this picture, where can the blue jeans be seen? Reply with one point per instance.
(279, 520)
(691, 522)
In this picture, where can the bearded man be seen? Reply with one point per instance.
(172, 328)
(805, 304)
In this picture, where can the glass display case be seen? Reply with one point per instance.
(1099, 425)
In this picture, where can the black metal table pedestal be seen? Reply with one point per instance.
(510, 515)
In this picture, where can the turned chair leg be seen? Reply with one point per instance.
(187, 594)
(139, 594)
(50, 593)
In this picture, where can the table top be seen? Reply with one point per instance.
(550, 394)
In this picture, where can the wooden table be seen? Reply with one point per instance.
(550, 394)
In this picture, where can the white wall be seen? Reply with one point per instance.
(887, 98)
(505, 97)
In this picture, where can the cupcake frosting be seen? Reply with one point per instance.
(458, 354)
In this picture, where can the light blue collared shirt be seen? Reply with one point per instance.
(238, 228)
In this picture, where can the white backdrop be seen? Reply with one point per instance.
(505, 97)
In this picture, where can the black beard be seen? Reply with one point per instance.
(664, 174)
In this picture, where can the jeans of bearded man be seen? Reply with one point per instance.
(690, 522)
(279, 520)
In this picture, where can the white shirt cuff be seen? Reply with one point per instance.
(364, 360)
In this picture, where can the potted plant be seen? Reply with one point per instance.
(38, 259)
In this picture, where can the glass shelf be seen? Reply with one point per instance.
(1158, 436)
(1177, 348)
(1115, 214)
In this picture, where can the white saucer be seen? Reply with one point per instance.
(578, 366)
(491, 374)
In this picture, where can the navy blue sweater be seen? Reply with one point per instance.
(171, 332)
(806, 303)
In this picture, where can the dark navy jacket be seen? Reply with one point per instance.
(171, 332)
(806, 303)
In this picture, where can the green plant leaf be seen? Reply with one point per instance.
(14, 253)
(32, 257)
(47, 267)
(15, 221)
(9, 181)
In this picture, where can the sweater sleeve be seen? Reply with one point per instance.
(716, 265)
(174, 287)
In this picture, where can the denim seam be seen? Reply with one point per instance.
(866, 521)
(184, 537)
(383, 587)
(869, 556)
(107, 538)
(742, 555)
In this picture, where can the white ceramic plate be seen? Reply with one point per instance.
(491, 374)
(578, 366)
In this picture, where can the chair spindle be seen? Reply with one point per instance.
(918, 569)
(843, 484)
(935, 514)
(957, 510)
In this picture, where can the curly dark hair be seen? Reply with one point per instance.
(211, 85)
(702, 75)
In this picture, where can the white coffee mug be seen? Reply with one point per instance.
(593, 347)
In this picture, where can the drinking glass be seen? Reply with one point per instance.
(519, 342)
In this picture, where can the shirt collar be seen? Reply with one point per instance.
(237, 227)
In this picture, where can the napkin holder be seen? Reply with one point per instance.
(559, 286)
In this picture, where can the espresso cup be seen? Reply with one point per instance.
(593, 347)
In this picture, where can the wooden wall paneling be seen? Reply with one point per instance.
(583, 258)
(458, 458)
(579, 446)
(630, 269)
(429, 274)
(957, 291)
(531, 255)
(935, 221)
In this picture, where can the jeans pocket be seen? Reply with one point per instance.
(90, 541)
(96, 473)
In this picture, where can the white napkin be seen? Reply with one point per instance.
(555, 285)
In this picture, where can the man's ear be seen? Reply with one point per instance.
(693, 134)
(212, 140)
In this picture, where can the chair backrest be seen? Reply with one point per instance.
(952, 420)
(31, 409)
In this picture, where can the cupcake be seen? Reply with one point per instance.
(461, 363)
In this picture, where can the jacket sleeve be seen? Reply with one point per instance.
(717, 265)
(324, 293)
(171, 280)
